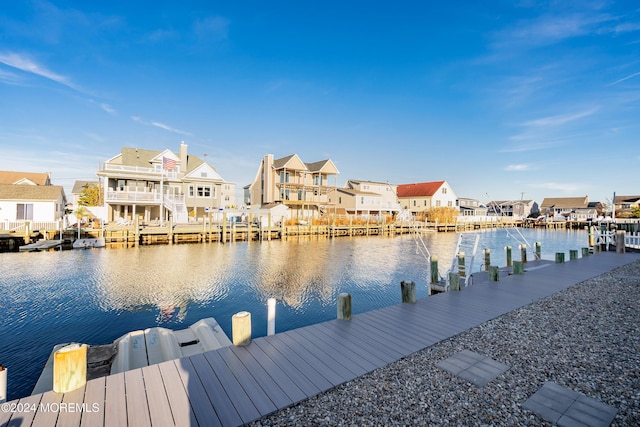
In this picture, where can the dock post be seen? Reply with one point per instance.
(461, 267)
(344, 306)
(408, 292)
(507, 250)
(585, 252)
(573, 254)
(3, 384)
(454, 281)
(69, 368)
(223, 236)
(518, 267)
(538, 250)
(494, 273)
(592, 237)
(433, 269)
(523, 253)
(171, 231)
(271, 316)
(620, 243)
(559, 257)
(487, 259)
(241, 328)
(269, 226)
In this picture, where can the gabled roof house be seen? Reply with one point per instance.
(424, 196)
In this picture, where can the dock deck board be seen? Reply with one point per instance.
(235, 385)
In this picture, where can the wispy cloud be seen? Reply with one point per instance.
(560, 119)
(26, 64)
(108, 109)
(630, 76)
(166, 127)
(9, 78)
(558, 186)
(517, 168)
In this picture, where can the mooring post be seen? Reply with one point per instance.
(433, 266)
(592, 237)
(241, 328)
(523, 253)
(271, 316)
(559, 257)
(585, 252)
(518, 267)
(3, 384)
(344, 306)
(573, 254)
(408, 292)
(69, 368)
(538, 250)
(487, 259)
(620, 243)
(461, 267)
(454, 281)
(494, 273)
(507, 250)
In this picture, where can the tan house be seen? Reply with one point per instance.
(31, 178)
(569, 208)
(421, 197)
(624, 205)
(366, 197)
(303, 187)
(153, 185)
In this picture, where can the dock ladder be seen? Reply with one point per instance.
(467, 244)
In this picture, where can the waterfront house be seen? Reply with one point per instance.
(624, 205)
(569, 208)
(30, 178)
(302, 187)
(421, 197)
(151, 185)
(512, 208)
(41, 205)
(471, 207)
(366, 197)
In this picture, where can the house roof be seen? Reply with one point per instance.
(353, 192)
(629, 199)
(12, 177)
(565, 202)
(78, 186)
(31, 192)
(364, 181)
(421, 189)
(143, 158)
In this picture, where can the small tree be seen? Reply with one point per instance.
(91, 195)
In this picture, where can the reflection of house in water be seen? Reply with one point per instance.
(145, 278)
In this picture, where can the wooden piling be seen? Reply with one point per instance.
(559, 257)
(69, 368)
(408, 292)
(518, 267)
(586, 252)
(241, 328)
(523, 253)
(461, 266)
(620, 244)
(271, 316)
(538, 250)
(433, 266)
(487, 259)
(454, 281)
(507, 250)
(494, 273)
(573, 254)
(344, 306)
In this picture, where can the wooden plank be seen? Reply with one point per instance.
(298, 378)
(94, 397)
(260, 398)
(176, 394)
(25, 418)
(48, 410)
(319, 360)
(222, 404)
(137, 405)
(200, 402)
(361, 336)
(115, 406)
(343, 366)
(238, 396)
(159, 406)
(409, 318)
(386, 341)
(270, 376)
(73, 401)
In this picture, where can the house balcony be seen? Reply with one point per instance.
(112, 170)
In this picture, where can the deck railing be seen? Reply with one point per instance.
(21, 225)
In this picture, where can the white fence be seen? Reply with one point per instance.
(21, 226)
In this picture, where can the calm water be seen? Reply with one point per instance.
(96, 296)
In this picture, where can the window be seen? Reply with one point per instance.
(24, 211)
(203, 174)
(317, 180)
(444, 190)
(191, 191)
(284, 194)
(284, 177)
(450, 203)
(437, 203)
(415, 203)
(340, 200)
(425, 202)
(203, 191)
(301, 195)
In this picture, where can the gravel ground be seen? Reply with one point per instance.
(585, 338)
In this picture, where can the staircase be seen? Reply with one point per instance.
(177, 206)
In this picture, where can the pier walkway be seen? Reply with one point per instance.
(236, 385)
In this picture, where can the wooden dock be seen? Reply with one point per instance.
(236, 385)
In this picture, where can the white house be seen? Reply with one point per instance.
(33, 203)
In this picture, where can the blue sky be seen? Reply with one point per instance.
(502, 99)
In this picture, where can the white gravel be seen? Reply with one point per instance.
(585, 338)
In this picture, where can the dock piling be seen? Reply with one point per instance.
(3, 384)
(508, 256)
(408, 292)
(494, 273)
(69, 368)
(344, 306)
(271, 316)
(241, 328)
(559, 257)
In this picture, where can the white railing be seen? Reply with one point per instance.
(139, 169)
(21, 225)
(632, 240)
(133, 196)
